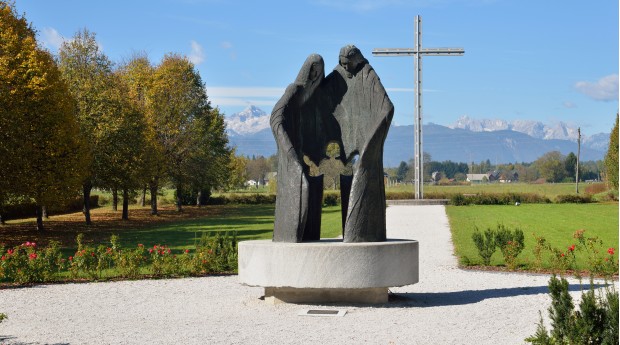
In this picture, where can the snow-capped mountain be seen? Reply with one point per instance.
(249, 121)
(534, 129)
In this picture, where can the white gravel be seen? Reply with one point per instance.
(448, 306)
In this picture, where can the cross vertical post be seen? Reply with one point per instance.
(417, 52)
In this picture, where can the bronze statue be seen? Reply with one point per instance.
(349, 107)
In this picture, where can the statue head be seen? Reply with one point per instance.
(311, 74)
(351, 60)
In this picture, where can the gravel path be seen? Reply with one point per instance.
(448, 306)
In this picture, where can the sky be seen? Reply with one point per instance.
(548, 61)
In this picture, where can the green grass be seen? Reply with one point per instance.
(550, 190)
(556, 222)
(248, 221)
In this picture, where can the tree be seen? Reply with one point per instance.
(257, 168)
(87, 71)
(176, 100)
(611, 158)
(237, 171)
(40, 143)
(570, 165)
(137, 74)
(551, 166)
(401, 172)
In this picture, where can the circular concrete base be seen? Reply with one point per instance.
(328, 264)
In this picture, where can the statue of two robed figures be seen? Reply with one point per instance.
(348, 107)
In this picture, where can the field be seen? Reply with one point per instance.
(551, 190)
(555, 222)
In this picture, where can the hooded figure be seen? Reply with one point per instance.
(363, 113)
(293, 127)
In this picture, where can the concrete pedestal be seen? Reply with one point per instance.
(328, 271)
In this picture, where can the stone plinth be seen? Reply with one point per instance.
(328, 270)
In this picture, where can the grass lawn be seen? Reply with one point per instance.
(556, 222)
(176, 230)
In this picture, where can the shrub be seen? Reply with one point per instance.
(331, 199)
(573, 198)
(486, 244)
(217, 253)
(3, 317)
(510, 243)
(595, 188)
(596, 322)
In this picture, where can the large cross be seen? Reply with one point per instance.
(417, 51)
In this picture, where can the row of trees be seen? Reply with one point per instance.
(79, 121)
(552, 167)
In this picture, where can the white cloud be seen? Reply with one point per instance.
(242, 96)
(51, 38)
(569, 105)
(197, 55)
(605, 89)
(226, 45)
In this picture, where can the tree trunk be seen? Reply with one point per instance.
(179, 199)
(125, 204)
(143, 200)
(45, 214)
(39, 212)
(153, 189)
(198, 199)
(87, 187)
(114, 199)
(1, 220)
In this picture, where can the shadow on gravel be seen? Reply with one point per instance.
(4, 338)
(442, 299)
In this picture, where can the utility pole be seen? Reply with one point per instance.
(578, 152)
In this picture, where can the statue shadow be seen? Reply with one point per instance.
(445, 299)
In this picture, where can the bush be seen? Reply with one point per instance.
(486, 244)
(595, 188)
(497, 199)
(28, 209)
(331, 199)
(596, 322)
(510, 243)
(573, 199)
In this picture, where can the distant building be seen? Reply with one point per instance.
(509, 177)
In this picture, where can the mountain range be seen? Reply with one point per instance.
(467, 140)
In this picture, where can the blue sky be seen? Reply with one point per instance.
(524, 59)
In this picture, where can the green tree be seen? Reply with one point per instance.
(401, 172)
(39, 142)
(237, 171)
(176, 102)
(87, 71)
(551, 166)
(570, 165)
(611, 158)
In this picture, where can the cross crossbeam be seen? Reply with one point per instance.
(417, 52)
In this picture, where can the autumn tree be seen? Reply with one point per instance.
(611, 158)
(87, 71)
(237, 171)
(176, 101)
(40, 156)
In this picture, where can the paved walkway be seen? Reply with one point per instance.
(448, 306)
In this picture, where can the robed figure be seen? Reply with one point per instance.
(349, 107)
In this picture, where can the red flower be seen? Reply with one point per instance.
(3, 258)
(92, 254)
(150, 250)
(571, 248)
(32, 256)
(140, 245)
(10, 251)
(611, 251)
(562, 255)
(71, 258)
(186, 251)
